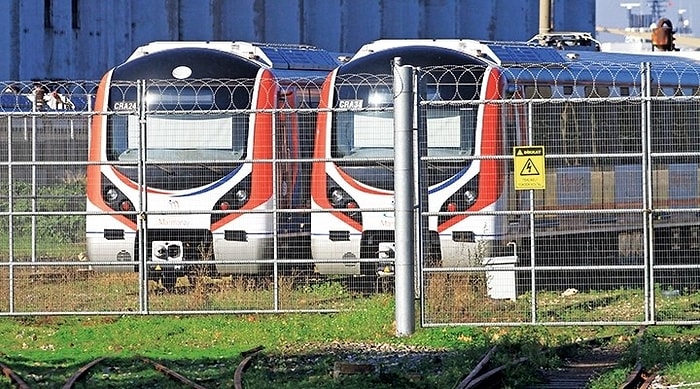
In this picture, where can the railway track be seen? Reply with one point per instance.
(243, 365)
(479, 377)
(83, 372)
(583, 361)
(579, 369)
(15, 379)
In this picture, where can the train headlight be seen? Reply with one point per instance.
(469, 197)
(116, 200)
(111, 194)
(241, 196)
(337, 198)
(232, 200)
(460, 201)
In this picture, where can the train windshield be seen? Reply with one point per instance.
(182, 123)
(187, 138)
(362, 124)
(365, 125)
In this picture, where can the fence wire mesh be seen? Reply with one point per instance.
(612, 235)
(240, 196)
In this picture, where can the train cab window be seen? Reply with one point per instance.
(176, 128)
(450, 128)
(364, 124)
(366, 129)
(363, 134)
(451, 131)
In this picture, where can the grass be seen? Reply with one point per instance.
(301, 349)
(47, 350)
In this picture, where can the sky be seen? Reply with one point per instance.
(610, 13)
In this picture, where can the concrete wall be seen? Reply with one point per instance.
(81, 39)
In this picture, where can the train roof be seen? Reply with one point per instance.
(522, 59)
(269, 55)
(677, 58)
(497, 53)
(518, 53)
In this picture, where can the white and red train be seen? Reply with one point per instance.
(597, 153)
(595, 161)
(181, 155)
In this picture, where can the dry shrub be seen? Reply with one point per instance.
(455, 296)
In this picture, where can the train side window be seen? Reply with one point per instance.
(342, 138)
(117, 127)
(627, 121)
(597, 91)
(573, 138)
(538, 92)
(673, 126)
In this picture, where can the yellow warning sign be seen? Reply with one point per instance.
(529, 167)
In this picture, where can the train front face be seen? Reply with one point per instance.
(175, 147)
(359, 138)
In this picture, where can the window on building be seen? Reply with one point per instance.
(75, 14)
(48, 14)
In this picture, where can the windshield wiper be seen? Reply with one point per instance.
(161, 167)
(210, 168)
(387, 166)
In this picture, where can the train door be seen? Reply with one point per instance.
(292, 171)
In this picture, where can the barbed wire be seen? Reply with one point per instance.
(530, 82)
(50, 95)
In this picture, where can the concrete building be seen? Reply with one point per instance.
(81, 39)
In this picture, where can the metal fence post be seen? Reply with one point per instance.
(649, 310)
(142, 218)
(403, 198)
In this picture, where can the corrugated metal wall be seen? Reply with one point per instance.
(80, 39)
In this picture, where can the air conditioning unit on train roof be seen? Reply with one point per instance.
(287, 56)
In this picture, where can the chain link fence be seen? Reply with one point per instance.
(610, 234)
(204, 203)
